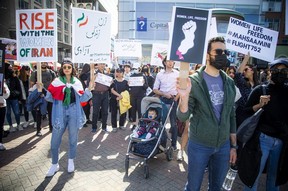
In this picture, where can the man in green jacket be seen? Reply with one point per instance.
(208, 101)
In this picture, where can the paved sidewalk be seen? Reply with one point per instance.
(99, 164)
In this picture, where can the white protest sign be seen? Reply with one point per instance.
(190, 33)
(36, 34)
(213, 28)
(91, 36)
(127, 48)
(159, 51)
(244, 37)
(103, 79)
(136, 81)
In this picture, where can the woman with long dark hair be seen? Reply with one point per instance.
(66, 92)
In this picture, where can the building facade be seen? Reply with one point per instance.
(8, 24)
(148, 20)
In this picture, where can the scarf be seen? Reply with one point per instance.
(61, 90)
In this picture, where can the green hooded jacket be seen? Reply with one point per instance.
(204, 127)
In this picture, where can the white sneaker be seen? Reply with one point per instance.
(19, 127)
(52, 170)
(25, 124)
(180, 155)
(122, 127)
(71, 166)
(12, 129)
(35, 125)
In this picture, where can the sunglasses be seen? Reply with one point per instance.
(219, 51)
(67, 67)
(246, 69)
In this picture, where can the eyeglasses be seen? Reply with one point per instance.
(67, 67)
(219, 51)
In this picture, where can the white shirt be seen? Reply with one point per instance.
(5, 96)
(166, 82)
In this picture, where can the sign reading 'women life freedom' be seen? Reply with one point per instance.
(190, 32)
(91, 36)
(36, 33)
(127, 48)
(246, 37)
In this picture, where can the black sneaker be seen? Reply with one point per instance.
(85, 125)
(89, 122)
(39, 134)
(133, 127)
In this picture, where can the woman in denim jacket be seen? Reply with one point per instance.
(66, 92)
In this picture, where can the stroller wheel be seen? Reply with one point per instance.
(146, 171)
(169, 154)
(126, 164)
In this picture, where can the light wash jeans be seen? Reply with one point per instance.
(271, 148)
(199, 157)
(70, 119)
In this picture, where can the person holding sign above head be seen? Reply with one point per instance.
(165, 87)
(66, 92)
(212, 123)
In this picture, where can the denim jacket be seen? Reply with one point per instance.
(36, 100)
(58, 110)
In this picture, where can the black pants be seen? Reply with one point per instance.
(49, 110)
(100, 100)
(26, 113)
(2, 119)
(136, 107)
(114, 109)
(37, 116)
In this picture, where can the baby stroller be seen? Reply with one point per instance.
(147, 148)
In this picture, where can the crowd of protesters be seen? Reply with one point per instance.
(241, 82)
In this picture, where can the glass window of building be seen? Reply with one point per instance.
(250, 12)
(66, 14)
(49, 3)
(66, 38)
(59, 23)
(58, 10)
(23, 4)
(59, 34)
(66, 26)
(38, 2)
(272, 23)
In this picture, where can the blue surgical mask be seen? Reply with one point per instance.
(150, 116)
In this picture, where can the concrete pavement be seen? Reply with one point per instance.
(99, 164)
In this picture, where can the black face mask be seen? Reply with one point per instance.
(145, 70)
(220, 61)
(279, 78)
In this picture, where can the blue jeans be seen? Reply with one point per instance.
(271, 148)
(14, 104)
(70, 119)
(199, 157)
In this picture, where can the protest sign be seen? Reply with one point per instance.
(10, 48)
(159, 51)
(103, 79)
(91, 36)
(136, 81)
(213, 28)
(127, 48)
(246, 37)
(190, 32)
(36, 31)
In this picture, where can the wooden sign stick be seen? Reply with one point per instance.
(39, 76)
(183, 74)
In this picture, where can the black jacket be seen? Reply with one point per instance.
(273, 122)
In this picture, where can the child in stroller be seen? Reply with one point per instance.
(147, 129)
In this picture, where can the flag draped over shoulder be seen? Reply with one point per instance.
(57, 87)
